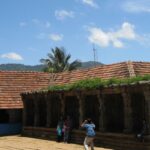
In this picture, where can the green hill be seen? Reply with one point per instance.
(21, 67)
(90, 64)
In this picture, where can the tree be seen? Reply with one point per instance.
(58, 61)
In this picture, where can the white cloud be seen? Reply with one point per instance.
(42, 24)
(62, 14)
(98, 37)
(53, 36)
(137, 6)
(56, 37)
(116, 43)
(90, 3)
(12, 56)
(126, 31)
(22, 24)
(105, 39)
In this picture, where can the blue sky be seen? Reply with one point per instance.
(119, 30)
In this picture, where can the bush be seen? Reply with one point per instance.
(95, 83)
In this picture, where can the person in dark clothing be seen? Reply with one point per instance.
(67, 129)
(143, 132)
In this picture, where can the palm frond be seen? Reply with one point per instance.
(58, 61)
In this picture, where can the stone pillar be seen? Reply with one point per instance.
(36, 112)
(146, 91)
(48, 110)
(128, 120)
(102, 119)
(62, 101)
(24, 114)
(81, 107)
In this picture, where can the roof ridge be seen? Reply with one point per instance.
(130, 68)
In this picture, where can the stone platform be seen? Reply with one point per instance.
(115, 141)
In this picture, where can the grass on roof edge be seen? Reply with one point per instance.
(95, 83)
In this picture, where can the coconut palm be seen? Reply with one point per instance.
(58, 61)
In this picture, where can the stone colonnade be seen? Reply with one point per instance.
(44, 109)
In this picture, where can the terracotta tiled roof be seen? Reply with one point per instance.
(141, 68)
(118, 70)
(12, 83)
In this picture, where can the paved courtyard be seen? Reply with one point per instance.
(25, 143)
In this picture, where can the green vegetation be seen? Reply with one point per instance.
(58, 61)
(90, 64)
(95, 83)
(21, 67)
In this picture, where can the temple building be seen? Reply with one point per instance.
(117, 110)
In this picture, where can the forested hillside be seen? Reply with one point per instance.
(21, 67)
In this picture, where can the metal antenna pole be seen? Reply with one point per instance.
(94, 53)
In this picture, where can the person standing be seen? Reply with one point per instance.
(90, 133)
(67, 129)
(60, 129)
(143, 132)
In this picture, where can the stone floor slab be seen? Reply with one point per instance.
(24, 143)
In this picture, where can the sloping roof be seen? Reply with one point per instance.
(141, 68)
(12, 83)
(117, 70)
